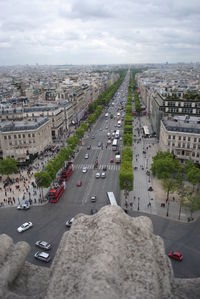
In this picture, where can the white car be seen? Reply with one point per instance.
(103, 175)
(42, 256)
(69, 222)
(98, 175)
(23, 207)
(86, 156)
(24, 227)
(43, 244)
(84, 170)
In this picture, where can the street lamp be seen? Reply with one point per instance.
(167, 208)
(138, 208)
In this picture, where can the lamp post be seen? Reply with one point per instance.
(167, 208)
(138, 204)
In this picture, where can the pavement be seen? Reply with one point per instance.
(140, 199)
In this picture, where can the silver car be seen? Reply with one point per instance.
(98, 175)
(43, 244)
(42, 256)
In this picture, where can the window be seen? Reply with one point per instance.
(183, 145)
(174, 137)
(197, 155)
(15, 136)
(188, 138)
(173, 144)
(194, 146)
(184, 138)
(29, 135)
(188, 145)
(195, 139)
(9, 137)
(169, 137)
(19, 136)
(193, 154)
(5, 137)
(168, 143)
(33, 135)
(179, 138)
(24, 136)
(179, 144)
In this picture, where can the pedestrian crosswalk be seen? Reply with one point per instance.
(113, 167)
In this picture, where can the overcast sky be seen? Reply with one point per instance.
(99, 32)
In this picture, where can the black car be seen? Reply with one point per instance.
(104, 167)
(93, 211)
(42, 256)
(89, 147)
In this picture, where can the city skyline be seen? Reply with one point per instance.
(93, 32)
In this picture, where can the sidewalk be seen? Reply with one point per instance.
(140, 199)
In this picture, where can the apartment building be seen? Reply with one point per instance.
(22, 140)
(181, 135)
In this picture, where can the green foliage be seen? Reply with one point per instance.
(128, 129)
(165, 165)
(127, 139)
(127, 154)
(43, 179)
(8, 166)
(126, 176)
(191, 201)
(193, 175)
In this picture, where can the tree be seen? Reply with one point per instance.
(8, 166)
(43, 179)
(193, 176)
(169, 185)
(191, 201)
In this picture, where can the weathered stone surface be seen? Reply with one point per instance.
(110, 255)
(106, 256)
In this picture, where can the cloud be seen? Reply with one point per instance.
(93, 31)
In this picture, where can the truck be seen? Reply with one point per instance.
(55, 193)
(117, 158)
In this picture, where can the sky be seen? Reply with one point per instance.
(99, 32)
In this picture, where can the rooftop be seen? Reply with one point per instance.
(181, 123)
(8, 126)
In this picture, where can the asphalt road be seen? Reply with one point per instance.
(49, 220)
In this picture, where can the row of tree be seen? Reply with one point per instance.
(136, 96)
(126, 169)
(175, 178)
(45, 177)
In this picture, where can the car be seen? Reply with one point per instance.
(42, 256)
(104, 167)
(93, 136)
(150, 189)
(84, 170)
(93, 198)
(79, 183)
(99, 144)
(106, 127)
(112, 160)
(93, 211)
(108, 134)
(89, 147)
(69, 222)
(97, 175)
(23, 207)
(86, 156)
(100, 129)
(148, 172)
(24, 227)
(175, 255)
(120, 138)
(103, 175)
(43, 244)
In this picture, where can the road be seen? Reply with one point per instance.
(49, 220)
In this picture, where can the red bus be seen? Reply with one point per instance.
(66, 172)
(55, 193)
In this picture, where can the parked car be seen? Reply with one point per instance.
(93, 211)
(23, 207)
(86, 156)
(89, 147)
(79, 183)
(43, 244)
(175, 255)
(103, 175)
(97, 175)
(24, 227)
(42, 256)
(84, 170)
(93, 198)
